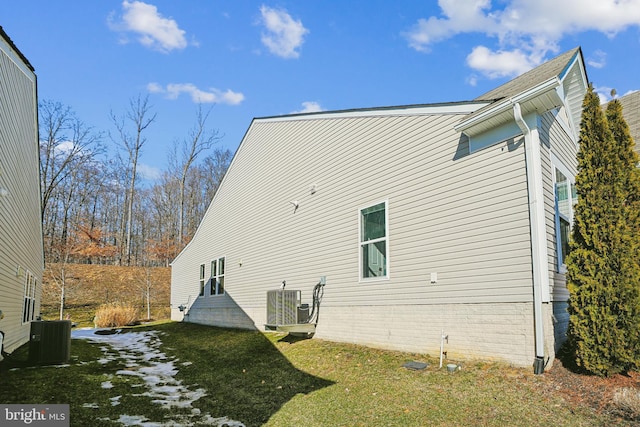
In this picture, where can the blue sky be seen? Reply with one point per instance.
(247, 59)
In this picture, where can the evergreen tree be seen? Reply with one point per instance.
(603, 267)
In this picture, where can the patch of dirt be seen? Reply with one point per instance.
(596, 392)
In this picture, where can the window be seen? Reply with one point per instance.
(217, 276)
(29, 308)
(566, 198)
(201, 280)
(374, 261)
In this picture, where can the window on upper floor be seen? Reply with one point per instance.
(374, 242)
(217, 276)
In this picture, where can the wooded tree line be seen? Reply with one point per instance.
(95, 207)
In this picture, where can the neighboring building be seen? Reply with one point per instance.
(426, 220)
(21, 247)
(631, 113)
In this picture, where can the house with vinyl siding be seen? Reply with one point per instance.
(424, 222)
(631, 113)
(21, 247)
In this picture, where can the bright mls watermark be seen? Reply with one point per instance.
(34, 415)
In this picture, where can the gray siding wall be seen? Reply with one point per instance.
(464, 217)
(20, 224)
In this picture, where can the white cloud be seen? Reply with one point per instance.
(284, 35)
(460, 16)
(598, 59)
(152, 29)
(526, 30)
(65, 147)
(309, 107)
(210, 96)
(148, 172)
(605, 93)
(499, 64)
(154, 88)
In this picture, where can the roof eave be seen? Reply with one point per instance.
(10, 42)
(475, 123)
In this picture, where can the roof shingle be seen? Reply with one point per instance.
(532, 78)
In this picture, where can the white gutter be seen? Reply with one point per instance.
(414, 110)
(538, 231)
(506, 104)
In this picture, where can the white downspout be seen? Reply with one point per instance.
(538, 232)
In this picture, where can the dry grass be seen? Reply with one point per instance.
(627, 399)
(88, 286)
(287, 381)
(276, 380)
(116, 315)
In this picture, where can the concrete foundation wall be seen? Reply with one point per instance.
(497, 332)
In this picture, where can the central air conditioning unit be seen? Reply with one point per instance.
(286, 313)
(50, 342)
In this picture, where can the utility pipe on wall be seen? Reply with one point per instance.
(442, 338)
(538, 232)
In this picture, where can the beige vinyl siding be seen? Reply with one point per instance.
(557, 141)
(574, 88)
(549, 204)
(20, 224)
(465, 219)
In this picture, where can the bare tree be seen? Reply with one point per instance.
(216, 166)
(139, 115)
(199, 139)
(94, 209)
(66, 143)
(58, 274)
(162, 243)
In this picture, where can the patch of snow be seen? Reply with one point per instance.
(142, 357)
(90, 405)
(128, 372)
(221, 422)
(132, 420)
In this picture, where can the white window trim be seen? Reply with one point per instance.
(386, 238)
(557, 164)
(202, 280)
(30, 292)
(212, 277)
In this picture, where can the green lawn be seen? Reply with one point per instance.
(270, 379)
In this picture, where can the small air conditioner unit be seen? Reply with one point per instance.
(50, 342)
(285, 313)
(282, 307)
